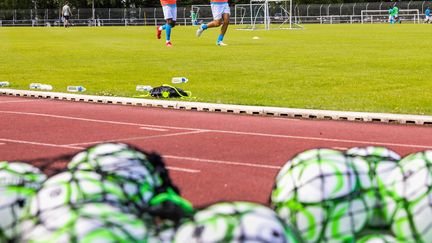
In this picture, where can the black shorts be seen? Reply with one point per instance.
(66, 17)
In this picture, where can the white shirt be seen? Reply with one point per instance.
(66, 10)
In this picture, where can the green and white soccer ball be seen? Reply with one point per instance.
(410, 186)
(377, 238)
(145, 177)
(381, 162)
(93, 222)
(18, 181)
(320, 192)
(236, 222)
(120, 161)
(77, 187)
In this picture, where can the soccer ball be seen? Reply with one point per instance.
(119, 160)
(377, 238)
(77, 187)
(236, 222)
(381, 162)
(18, 181)
(320, 192)
(144, 176)
(410, 187)
(92, 222)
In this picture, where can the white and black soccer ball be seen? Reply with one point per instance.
(381, 162)
(410, 187)
(92, 222)
(320, 192)
(18, 182)
(236, 222)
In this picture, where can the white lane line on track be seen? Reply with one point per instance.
(16, 101)
(164, 156)
(222, 162)
(154, 129)
(89, 120)
(183, 169)
(136, 138)
(231, 132)
(339, 148)
(40, 144)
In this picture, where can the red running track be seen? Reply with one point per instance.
(211, 156)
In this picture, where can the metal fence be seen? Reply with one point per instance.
(302, 13)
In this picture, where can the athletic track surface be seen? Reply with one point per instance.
(211, 156)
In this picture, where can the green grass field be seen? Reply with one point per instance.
(375, 68)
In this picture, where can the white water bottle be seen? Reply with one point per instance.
(4, 83)
(143, 88)
(46, 87)
(76, 89)
(178, 80)
(35, 86)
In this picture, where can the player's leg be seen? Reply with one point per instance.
(224, 28)
(217, 11)
(170, 15)
(159, 29)
(169, 25)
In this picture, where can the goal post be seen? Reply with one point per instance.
(265, 14)
(382, 16)
(202, 13)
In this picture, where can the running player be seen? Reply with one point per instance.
(169, 8)
(390, 12)
(221, 13)
(396, 14)
(428, 17)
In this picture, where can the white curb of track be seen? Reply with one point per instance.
(236, 109)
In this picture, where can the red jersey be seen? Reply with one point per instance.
(168, 2)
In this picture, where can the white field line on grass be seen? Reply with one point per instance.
(231, 132)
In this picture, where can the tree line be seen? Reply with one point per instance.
(53, 4)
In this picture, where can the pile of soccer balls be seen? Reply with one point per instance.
(114, 192)
(364, 194)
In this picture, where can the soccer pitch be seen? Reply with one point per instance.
(374, 68)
